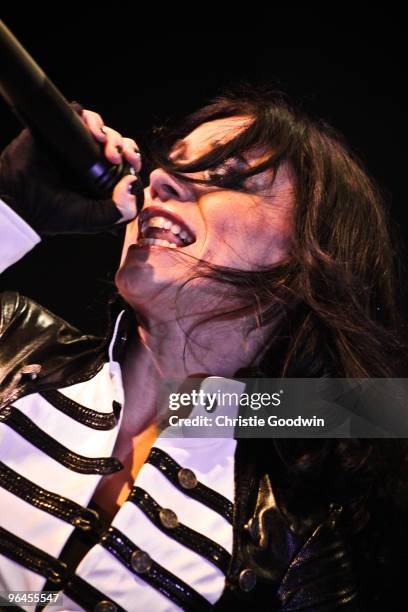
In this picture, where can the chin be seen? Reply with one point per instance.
(155, 266)
(150, 286)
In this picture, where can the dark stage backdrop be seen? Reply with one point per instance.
(104, 64)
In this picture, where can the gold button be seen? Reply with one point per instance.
(187, 478)
(105, 606)
(168, 518)
(141, 561)
(247, 580)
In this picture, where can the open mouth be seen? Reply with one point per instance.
(160, 227)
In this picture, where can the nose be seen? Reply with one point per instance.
(165, 186)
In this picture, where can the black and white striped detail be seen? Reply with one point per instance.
(207, 496)
(32, 557)
(28, 430)
(52, 464)
(188, 566)
(87, 416)
(163, 581)
(47, 501)
(190, 538)
(189, 563)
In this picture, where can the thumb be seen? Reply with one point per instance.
(129, 197)
(73, 213)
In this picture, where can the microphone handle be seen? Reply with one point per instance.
(40, 105)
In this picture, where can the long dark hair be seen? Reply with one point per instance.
(335, 298)
(336, 294)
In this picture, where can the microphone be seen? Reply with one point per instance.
(41, 106)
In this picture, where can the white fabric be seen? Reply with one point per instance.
(212, 460)
(21, 518)
(113, 579)
(16, 237)
(14, 578)
(42, 470)
(215, 461)
(67, 431)
(49, 535)
(106, 388)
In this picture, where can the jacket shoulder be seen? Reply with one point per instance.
(9, 301)
(24, 313)
(31, 334)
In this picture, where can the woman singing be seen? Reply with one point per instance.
(262, 250)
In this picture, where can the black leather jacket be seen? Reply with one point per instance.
(278, 562)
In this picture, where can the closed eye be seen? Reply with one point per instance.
(229, 174)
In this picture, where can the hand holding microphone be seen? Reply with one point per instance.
(65, 175)
(33, 186)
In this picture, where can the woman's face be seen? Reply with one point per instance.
(184, 221)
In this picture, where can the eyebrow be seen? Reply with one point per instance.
(178, 150)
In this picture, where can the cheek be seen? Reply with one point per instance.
(246, 233)
(275, 234)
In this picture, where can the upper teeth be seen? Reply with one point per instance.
(163, 223)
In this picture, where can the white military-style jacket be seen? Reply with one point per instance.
(195, 531)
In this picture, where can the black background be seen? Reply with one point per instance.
(100, 61)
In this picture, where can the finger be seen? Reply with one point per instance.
(132, 154)
(114, 145)
(76, 214)
(95, 124)
(124, 200)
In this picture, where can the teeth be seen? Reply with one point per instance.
(156, 222)
(166, 224)
(157, 242)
